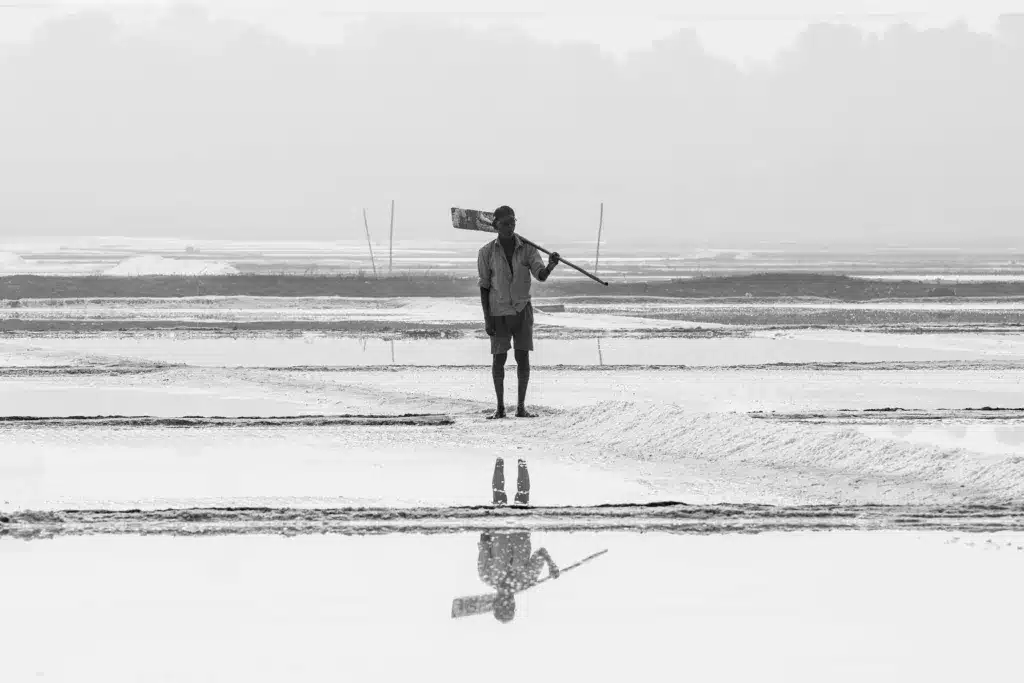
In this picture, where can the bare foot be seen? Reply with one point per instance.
(523, 412)
(498, 414)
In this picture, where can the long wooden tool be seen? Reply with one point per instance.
(482, 221)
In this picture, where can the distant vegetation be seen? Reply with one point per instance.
(760, 286)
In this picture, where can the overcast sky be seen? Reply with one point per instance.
(737, 29)
(191, 123)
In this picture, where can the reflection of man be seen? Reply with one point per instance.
(504, 562)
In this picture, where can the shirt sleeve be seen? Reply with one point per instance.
(535, 261)
(483, 268)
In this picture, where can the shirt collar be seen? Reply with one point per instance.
(516, 240)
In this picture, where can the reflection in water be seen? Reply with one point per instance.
(1011, 436)
(995, 437)
(505, 562)
(505, 559)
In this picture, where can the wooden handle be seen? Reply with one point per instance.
(562, 260)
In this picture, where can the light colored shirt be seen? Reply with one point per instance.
(510, 288)
(505, 560)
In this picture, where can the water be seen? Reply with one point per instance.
(772, 607)
(324, 350)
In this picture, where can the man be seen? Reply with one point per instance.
(505, 266)
(505, 562)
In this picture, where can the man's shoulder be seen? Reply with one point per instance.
(486, 248)
(529, 247)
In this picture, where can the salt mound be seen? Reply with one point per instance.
(661, 432)
(159, 265)
(9, 261)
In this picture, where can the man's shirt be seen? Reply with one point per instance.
(510, 287)
(505, 560)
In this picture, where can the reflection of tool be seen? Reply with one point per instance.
(472, 219)
(481, 604)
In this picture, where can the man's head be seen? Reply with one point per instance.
(505, 221)
(505, 606)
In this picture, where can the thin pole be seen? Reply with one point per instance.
(391, 240)
(600, 224)
(367, 224)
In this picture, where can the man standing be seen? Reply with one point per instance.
(505, 266)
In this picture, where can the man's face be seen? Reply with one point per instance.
(506, 225)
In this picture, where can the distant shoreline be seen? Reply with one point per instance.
(766, 286)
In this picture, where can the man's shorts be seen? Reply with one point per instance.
(513, 328)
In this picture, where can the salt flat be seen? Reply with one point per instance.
(604, 436)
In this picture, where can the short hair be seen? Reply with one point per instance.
(505, 607)
(503, 211)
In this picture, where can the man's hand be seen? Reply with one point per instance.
(555, 571)
(553, 259)
(489, 326)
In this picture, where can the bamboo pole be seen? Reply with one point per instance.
(369, 244)
(600, 225)
(391, 239)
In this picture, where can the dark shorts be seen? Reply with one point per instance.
(513, 328)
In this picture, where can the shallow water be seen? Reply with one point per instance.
(315, 349)
(992, 441)
(838, 606)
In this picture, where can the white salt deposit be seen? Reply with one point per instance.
(10, 262)
(160, 265)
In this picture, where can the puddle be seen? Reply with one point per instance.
(335, 351)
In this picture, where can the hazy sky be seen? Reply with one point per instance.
(191, 123)
(736, 29)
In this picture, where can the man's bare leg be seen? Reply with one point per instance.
(523, 370)
(498, 374)
(498, 483)
(523, 485)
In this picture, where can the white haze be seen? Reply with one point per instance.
(201, 125)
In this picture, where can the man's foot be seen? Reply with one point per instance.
(523, 412)
(522, 498)
(498, 414)
(500, 498)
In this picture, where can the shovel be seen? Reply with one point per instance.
(482, 221)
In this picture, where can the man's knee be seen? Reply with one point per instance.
(500, 359)
(522, 356)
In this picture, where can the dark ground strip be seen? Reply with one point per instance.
(850, 366)
(390, 329)
(895, 415)
(755, 285)
(65, 370)
(445, 330)
(833, 366)
(202, 422)
(658, 517)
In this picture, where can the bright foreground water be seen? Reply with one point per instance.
(839, 606)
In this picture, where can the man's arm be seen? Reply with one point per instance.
(483, 268)
(485, 302)
(542, 556)
(537, 267)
